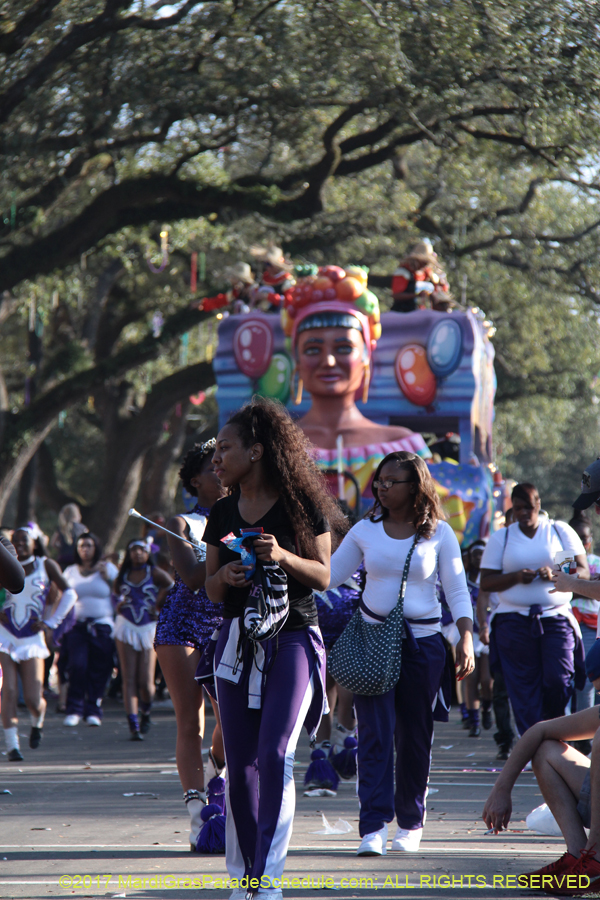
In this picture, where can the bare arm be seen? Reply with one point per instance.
(579, 726)
(67, 599)
(191, 572)
(314, 573)
(465, 657)
(567, 583)
(483, 601)
(12, 576)
(164, 582)
(55, 575)
(495, 580)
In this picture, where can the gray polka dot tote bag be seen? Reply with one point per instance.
(366, 658)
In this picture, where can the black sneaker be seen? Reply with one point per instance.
(15, 755)
(35, 738)
(136, 736)
(486, 718)
(503, 752)
(145, 723)
(475, 730)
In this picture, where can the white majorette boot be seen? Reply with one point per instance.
(211, 769)
(11, 739)
(195, 802)
(374, 844)
(407, 840)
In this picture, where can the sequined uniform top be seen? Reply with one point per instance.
(188, 618)
(138, 601)
(27, 608)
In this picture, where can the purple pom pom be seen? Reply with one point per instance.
(344, 761)
(212, 835)
(320, 773)
(215, 792)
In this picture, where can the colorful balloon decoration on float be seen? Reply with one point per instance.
(253, 346)
(331, 283)
(444, 347)
(276, 381)
(417, 381)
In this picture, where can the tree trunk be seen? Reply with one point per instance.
(27, 494)
(128, 439)
(155, 487)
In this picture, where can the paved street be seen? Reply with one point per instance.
(69, 814)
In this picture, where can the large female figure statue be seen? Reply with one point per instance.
(333, 321)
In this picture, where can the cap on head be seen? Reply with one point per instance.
(592, 662)
(590, 486)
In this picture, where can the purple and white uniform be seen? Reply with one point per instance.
(136, 620)
(188, 617)
(24, 610)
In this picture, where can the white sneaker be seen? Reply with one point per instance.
(72, 720)
(94, 720)
(275, 894)
(374, 844)
(407, 840)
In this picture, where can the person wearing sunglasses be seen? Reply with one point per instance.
(406, 512)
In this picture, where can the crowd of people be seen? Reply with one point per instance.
(238, 619)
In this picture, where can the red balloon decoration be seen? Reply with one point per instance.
(253, 347)
(413, 374)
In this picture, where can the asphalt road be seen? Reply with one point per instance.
(91, 814)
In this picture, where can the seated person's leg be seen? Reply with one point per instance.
(560, 771)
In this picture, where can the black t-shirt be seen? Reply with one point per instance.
(225, 518)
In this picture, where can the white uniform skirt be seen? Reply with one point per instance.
(19, 649)
(140, 637)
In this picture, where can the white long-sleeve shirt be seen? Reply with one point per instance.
(384, 559)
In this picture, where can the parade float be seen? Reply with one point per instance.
(417, 377)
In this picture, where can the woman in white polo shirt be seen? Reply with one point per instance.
(535, 637)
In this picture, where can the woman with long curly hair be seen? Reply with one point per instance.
(406, 515)
(262, 459)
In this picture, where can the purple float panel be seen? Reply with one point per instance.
(447, 373)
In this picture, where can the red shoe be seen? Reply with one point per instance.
(566, 861)
(581, 879)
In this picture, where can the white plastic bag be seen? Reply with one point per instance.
(542, 821)
(340, 827)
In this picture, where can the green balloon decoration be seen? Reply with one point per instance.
(275, 382)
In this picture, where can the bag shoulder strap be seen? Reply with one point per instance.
(406, 570)
(504, 548)
(401, 592)
(562, 546)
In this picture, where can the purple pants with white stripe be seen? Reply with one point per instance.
(261, 744)
(404, 717)
(538, 668)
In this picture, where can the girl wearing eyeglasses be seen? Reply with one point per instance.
(406, 505)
